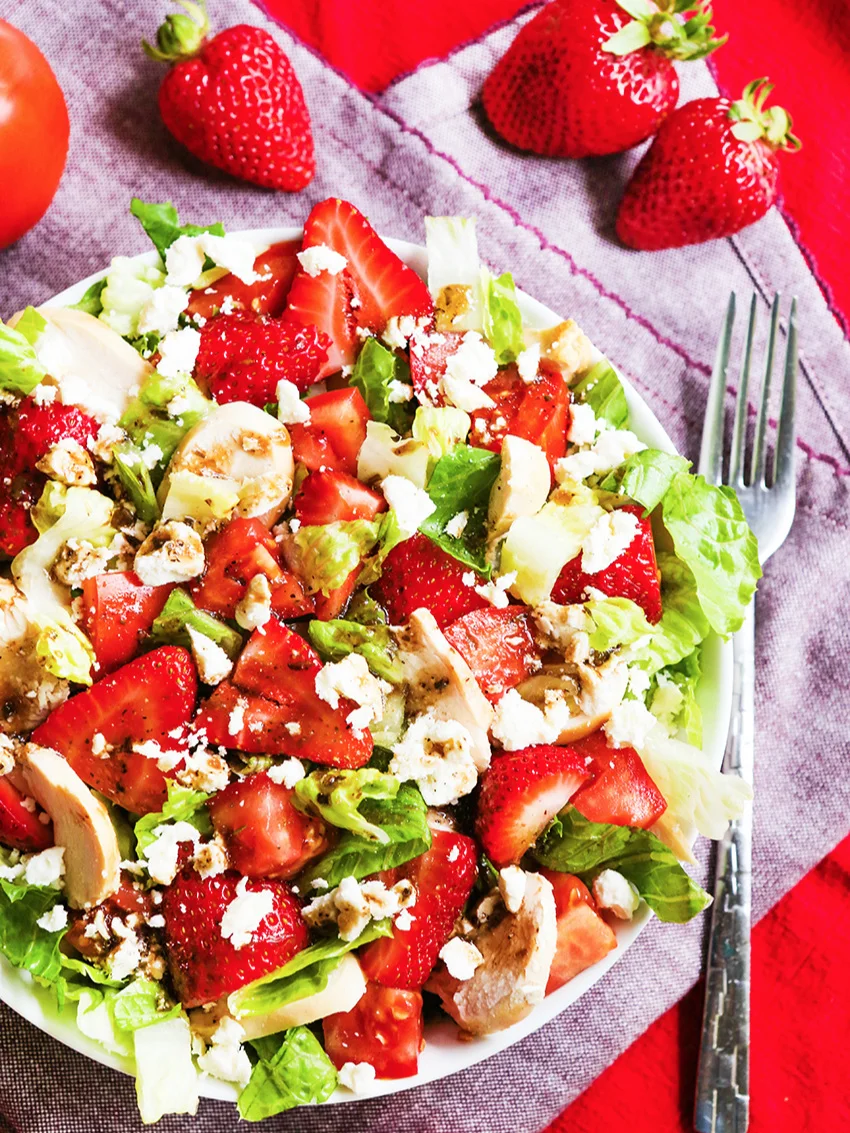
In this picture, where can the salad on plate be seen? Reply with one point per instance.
(350, 645)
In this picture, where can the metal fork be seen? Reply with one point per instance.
(768, 500)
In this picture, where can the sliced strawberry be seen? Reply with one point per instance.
(275, 268)
(39, 427)
(332, 605)
(274, 689)
(537, 411)
(130, 898)
(330, 497)
(20, 827)
(418, 573)
(521, 792)
(633, 575)
(266, 836)
(583, 937)
(118, 612)
(374, 285)
(384, 1029)
(443, 877)
(17, 497)
(429, 354)
(148, 699)
(204, 965)
(336, 431)
(621, 791)
(498, 647)
(235, 555)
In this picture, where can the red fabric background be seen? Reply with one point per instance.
(801, 1009)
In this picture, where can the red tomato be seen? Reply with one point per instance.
(330, 497)
(234, 555)
(267, 296)
(266, 836)
(537, 411)
(336, 431)
(497, 645)
(621, 791)
(384, 1029)
(583, 937)
(33, 134)
(118, 612)
(332, 605)
(20, 828)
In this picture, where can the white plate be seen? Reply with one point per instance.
(443, 1054)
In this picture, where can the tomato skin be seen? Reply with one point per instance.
(34, 131)
(621, 791)
(383, 1029)
(266, 835)
(330, 497)
(20, 828)
(336, 431)
(497, 645)
(537, 411)
(265, 296)
(118, 612)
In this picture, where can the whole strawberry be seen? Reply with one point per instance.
(234, 100)
(592, 77)
(710, 172)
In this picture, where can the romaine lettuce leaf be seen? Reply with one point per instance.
(161, 224)
(441, 428)
(646, 476)
(603, 391)
(337, 638)
(672, 698)
(292, 1070)
(180, 612)
(615, 621)
(140, 1004)
(337, 796)
(91, 302)
(573, 844)
(327, 554)
(128, 288)
(502, 318)
(403, 819)
(20, 369)
(183, 805)
(538, 546)
(166, 1077)
(136, 480)
(150, 418)
(453, 263)
(22, 941)
(376, 367)
(461, 482)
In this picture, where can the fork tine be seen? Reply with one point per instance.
(759, 460)
(739, 432)
(783, 457)
(711, 448)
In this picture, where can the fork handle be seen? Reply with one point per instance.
(723, 1089)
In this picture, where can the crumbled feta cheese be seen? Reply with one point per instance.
(151, 455)
(291, 410)
(528, 363)
(667, 700)
(357, 1076)
(461, 957)
(557, 625)
(127, 956)
(78, 560)
(411, 505)
(54, 920)
(612, 447)
(211, 858)
(204, 770)
(517, 723)
(162, 853)
(353, 904)
(173, 552)
(512, 887)
(351, 679)
(404, 920)
(43, 394)
(496, 591)
(399, 392)
(69, 463)
(287, 773)
(438, 755)
(213, 663)
(184, 259)
(225, 1057)
(245, 913)
(236, 720)
(46, 868)
(156, 921)
(474, 361)
(612, 891)
(319, 258)
(101, 446)
(162, 311)
(178, 351)
(608, 538)
(98, 744)
(465, 395)
(639, 682)
(254, 608)
(457, 524)
(629, 724)
(398, 330)
(583, 424)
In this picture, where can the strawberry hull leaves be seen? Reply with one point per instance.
(574, 844)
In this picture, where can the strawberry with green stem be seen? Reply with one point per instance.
(712, 170)
(592, 77)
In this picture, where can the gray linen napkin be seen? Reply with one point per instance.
(421, 148)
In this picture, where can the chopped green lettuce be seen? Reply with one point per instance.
(336, 796)
(166, 1077)
(161, 224)
(374, 372)
(327, 554)
(91, 302)
(603, 391)
(291, 1070)
(502, 318)
(646, 476)
(151, 419)
(135, 479)
(20, 369)
(180, 613)
(453, 262)
(183, 805)
(538, 546)
(573, 844)
(128, 288)
(461, 482)
(206, 499)
(22, 940)
(385, 453)
(338, 638)
(441, 428)
(673, 700)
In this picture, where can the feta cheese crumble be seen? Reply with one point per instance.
(46, 868)
(288, 773)
(357, 1076)
(438, 755)
(162, 853)
(611, 448)
(629, 724)
(351, 679)
(213, 663)
(583, 424)
(225, 1057)
(612, 891)
(184, 259)
(178, 352)
(457, 524)
(353, 904)
(496, 591)
(291, 410)
(461, 957)
(245, 913)
(411, 505)
(608, 538)
(528, 363)
(54, 920)
(512, 887)
(474, 361)
(254, 608)
(321, 258)
(161, 313)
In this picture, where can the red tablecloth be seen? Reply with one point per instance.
(801, 1009)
